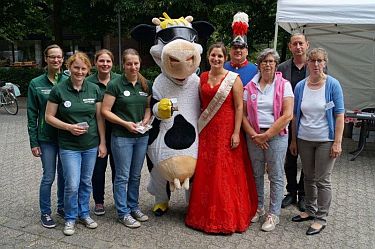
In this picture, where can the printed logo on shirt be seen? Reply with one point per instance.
(126, 93)
(45, 91)
(143, 94)
(67, 104)
(88, 101)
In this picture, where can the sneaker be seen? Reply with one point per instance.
(47, 221)
(129, 221)
(258, 214)
(60, 212)
(139, 216)
(69, 228)
(270, 223)
(99, 209)
(88, 222)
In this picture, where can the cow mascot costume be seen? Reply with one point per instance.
(173, 139)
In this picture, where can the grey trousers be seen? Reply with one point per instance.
(317, 166)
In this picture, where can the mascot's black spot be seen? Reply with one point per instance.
(154, 131)
(182, 134)
(150, 166)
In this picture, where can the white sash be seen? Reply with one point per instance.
(216, 102)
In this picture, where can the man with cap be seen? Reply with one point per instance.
(239, 50)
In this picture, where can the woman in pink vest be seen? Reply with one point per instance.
(268, 109)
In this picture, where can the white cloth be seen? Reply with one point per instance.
(313, 124)
(265, 101)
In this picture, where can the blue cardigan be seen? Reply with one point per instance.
(333, 94)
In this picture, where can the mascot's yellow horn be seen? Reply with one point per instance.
(167, 21)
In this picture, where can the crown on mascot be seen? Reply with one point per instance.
(240, 26)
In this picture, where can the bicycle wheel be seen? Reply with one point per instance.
(10, 103)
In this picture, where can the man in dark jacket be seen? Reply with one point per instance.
(294, 70)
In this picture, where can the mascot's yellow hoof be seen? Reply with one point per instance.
(160, 209)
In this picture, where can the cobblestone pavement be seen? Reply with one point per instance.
(350, 225)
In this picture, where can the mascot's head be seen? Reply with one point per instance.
(175, 51)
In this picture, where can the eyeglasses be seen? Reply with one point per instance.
(52, 57)
(271, 62)
(178, 32)
(319, 61)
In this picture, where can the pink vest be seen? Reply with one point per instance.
(252, 103)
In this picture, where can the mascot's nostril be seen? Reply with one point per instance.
(190, 59)
(173, 59)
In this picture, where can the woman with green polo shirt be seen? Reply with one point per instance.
(74, 108)
(43, 137)
(126, 104)
(103, 62)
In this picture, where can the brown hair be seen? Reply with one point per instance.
(218, 45)
(79, 55)
(45, 52)
(141, 79)
(103, 51)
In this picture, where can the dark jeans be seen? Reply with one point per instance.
(98, 177)
(290, 167)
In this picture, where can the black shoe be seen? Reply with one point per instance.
(301, 203)
(47, 221)
(298, 218)
(288, 200)
(313, 231)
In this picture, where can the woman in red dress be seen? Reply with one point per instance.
(223, 197)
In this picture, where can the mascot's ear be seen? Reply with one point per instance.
(204, 29)
(144, 32)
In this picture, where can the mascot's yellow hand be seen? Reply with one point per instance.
(165, 108)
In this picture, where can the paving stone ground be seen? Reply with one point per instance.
(351, 221)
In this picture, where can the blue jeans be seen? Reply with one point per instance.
(50, 161)
(129, 155)
(274, 156)
(78, 167)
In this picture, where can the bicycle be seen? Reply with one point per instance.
(8, 98)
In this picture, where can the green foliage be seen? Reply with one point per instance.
(20, 76)
(20, 18)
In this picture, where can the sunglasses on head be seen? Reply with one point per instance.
(179, 32)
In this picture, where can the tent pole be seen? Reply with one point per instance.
(276, 33)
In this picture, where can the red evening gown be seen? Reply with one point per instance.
(223, 196)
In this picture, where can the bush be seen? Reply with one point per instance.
(20, 76)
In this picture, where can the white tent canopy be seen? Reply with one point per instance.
(346, 29)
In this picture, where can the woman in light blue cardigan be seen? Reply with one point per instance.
(318, 127)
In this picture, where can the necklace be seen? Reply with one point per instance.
(215, 77)
(318, 81)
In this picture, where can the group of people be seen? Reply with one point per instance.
(75, 122)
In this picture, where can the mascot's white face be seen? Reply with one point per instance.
(175, 53)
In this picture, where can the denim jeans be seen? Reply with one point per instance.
(78, 167)
(98, 177)
(50, 161)
(129, 155)
(274, 156)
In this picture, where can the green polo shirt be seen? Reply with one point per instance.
(130, 104)
(75, 107)
(93, 78)
(37, 96)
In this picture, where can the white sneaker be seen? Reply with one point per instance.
(258, 214)
(270, 223)
(89, 223)
(129, 221)
(69, 228)
(139, 216)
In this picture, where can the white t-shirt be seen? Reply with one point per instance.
(265, 101)
(313, 123)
